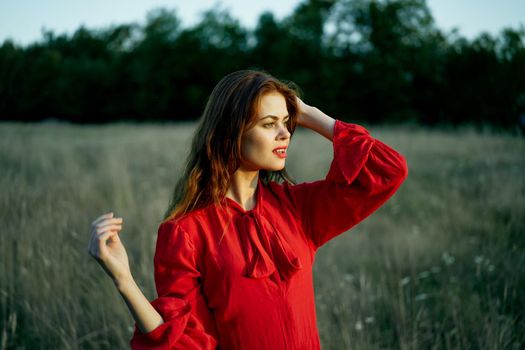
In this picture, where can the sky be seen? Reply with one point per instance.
(23, 20)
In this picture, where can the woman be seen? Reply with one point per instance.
(234, 255)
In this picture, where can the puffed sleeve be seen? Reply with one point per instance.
(188, 323)
(363, 175)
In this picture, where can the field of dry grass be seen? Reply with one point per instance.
(440, 266)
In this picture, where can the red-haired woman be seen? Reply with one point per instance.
(234, 255)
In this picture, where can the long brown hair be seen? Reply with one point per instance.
(216, 147)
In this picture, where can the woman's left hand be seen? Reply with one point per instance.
(302, 112)
(312, 118)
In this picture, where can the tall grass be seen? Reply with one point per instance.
(440, 266)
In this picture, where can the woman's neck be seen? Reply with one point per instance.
(242, 188)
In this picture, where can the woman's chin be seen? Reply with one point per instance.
(278, 167)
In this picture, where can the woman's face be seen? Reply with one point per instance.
(263, 146)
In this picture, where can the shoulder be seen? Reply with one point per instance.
(286, 189)
(282, 193)
(171, 232)
(279, 190)
(188, 227)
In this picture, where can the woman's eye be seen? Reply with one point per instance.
(272, 124)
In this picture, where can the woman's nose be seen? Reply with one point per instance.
(284, 133)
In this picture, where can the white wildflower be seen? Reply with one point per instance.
(447, 258)
(421, 297)
(348, 277)
(423, 274)
(404, 281)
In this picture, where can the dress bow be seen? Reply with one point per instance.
(266, 248)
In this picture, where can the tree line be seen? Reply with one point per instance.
(361, 60)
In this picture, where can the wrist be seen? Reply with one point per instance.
(124, 283)
(308, 111)
(306, 115)
(312, 116)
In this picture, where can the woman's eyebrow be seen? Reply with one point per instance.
(274, 117)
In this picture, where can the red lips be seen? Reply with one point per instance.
(280, 152)
(275, 149)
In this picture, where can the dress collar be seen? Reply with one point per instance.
(265, 248)
(258, 198)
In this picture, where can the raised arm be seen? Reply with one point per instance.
(313, 118)
(364, 174)
(107, 248)
(188, 322)
(178, 318)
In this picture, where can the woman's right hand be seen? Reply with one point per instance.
(107, 248)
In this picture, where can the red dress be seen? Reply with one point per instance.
(253, 288)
